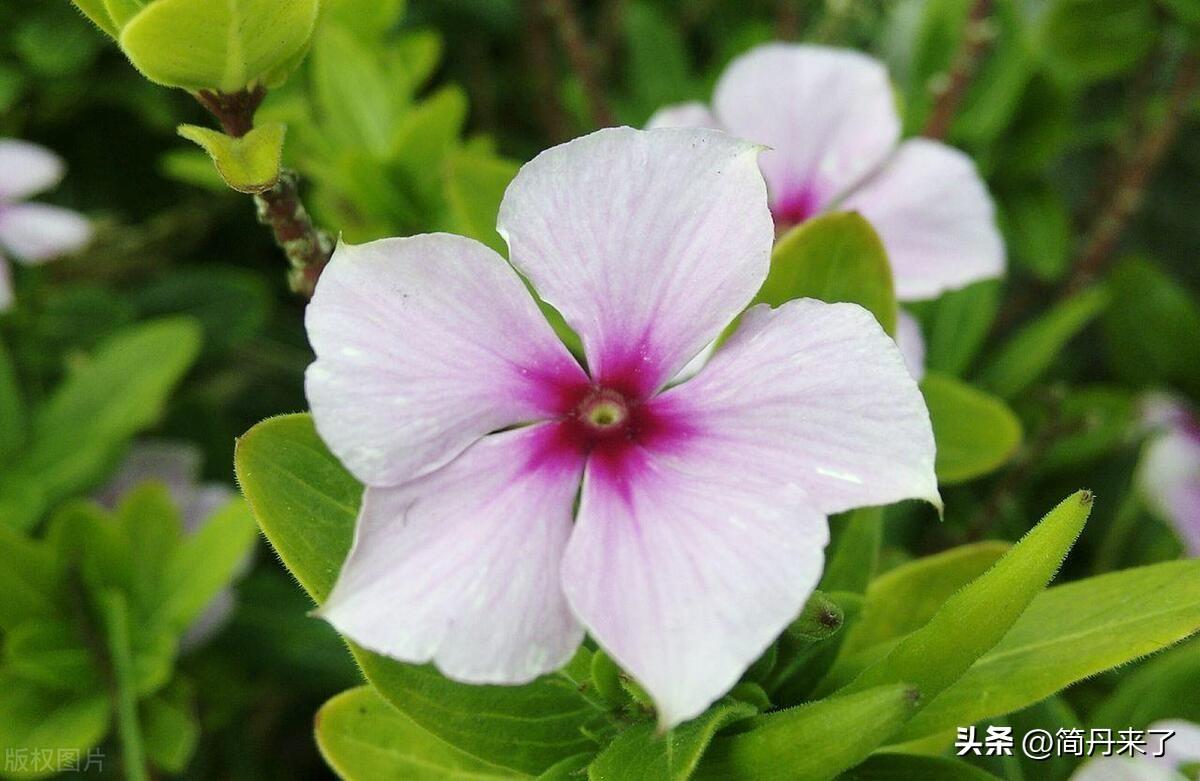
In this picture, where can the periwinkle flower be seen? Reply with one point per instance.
(514, 499)
(33, 232)
(830, 120)
(1168, 474)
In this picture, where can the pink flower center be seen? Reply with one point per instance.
(796, 205)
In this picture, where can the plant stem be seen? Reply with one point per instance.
(977, 35)
(579, 55)
(539, 59)
(307, 248)
(1102, 238)
(115, 614)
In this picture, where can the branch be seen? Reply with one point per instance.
(307, 248)
(977, 35)
(570, 36)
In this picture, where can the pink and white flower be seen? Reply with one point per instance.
(830, 120)
(1168, 474)
(515, 499)
(33, 232)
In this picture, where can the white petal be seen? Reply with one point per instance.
(648, 241)
(828, 115)
(935, 217)
(1168, 476)
(423, 345)
(693, 114)
(687, 564)
(911, 344)
(6, 288)
(36, 232)
(461, 567)
(818, 392)
(26, 169)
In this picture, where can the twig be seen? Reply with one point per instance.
(539, 58)
(570, 36)
(307, 248)
(977, 35)
(1102, 237)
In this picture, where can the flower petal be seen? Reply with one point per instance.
(1168, 476)
(461, 567)
(686, 563)
(819, 393)
(935, 217)
(26, 169)
(6, 285)
(648, 242)
(911, 344)
(424, 345)
(691, 114)
(828, 115)
(36, 232)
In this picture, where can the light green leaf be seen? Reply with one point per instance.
(52, 653)
(640, 753)
(1034, 348)
(34, 718)
(225, 46)
(151, 526)
(425, 136)
(905, 598)
(1069, 633)
(29, 582)
(836, 257)
(364, 18)
(171, 729)
(205, 563)
(811, 742)
(249, 164)
(97, 12)
(113, 610)
(973, 620)
(356, 103)
(306, 504)
(1161, 688)
(976, 433)
(895, 766)
(364, 738)
(475, 183)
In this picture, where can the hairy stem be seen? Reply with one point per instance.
(977, 35)
(307, 248)
(580, 56)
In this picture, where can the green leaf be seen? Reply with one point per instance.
(658, 71)
(205, 563)
(362, 737)
(640, 753)
(836, 257)
(53, 654)
(231, 304)
(29, 579)
(12, 408)
(1037, 226)
(1161, 688)
(306, 504)
(854, 554)
(973, 620)
(1034, 348)
(249, 164)
(364, 18)
(36, 719)
(171, 729)
(815, 741)
(1153, 331)
(1089, 40)
(96, 11)
(1069, 633)
(976, 433)
(895, 766)
(225, 46)
(907, 597)
(79, 430)
(350, 91)
(151, 526)
(956, 325)
(114, 615)
(475, 183)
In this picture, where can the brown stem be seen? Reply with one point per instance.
(570, 36)
(1101, 239)
(977, 35)
(539, 59)
(307, 248)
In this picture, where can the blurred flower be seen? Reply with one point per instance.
(700, 526)
(1162, 761)
(177, 465)
(1168, 474)
(33, 232)
(829, 119)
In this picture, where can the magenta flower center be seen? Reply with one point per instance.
(797, 205)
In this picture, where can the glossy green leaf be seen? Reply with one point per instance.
(640, 753)
(1069, 633)
(836, 257)
(226, 46)
(815, 741)
(34, 718)
(76, 434)
(475, 184)
(1088, 40)
(905, 598)
(364, 738)
(975, 432)
(1034, 348)
(306, 504)
(896, 766)
(973, 620)
(249, 164)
